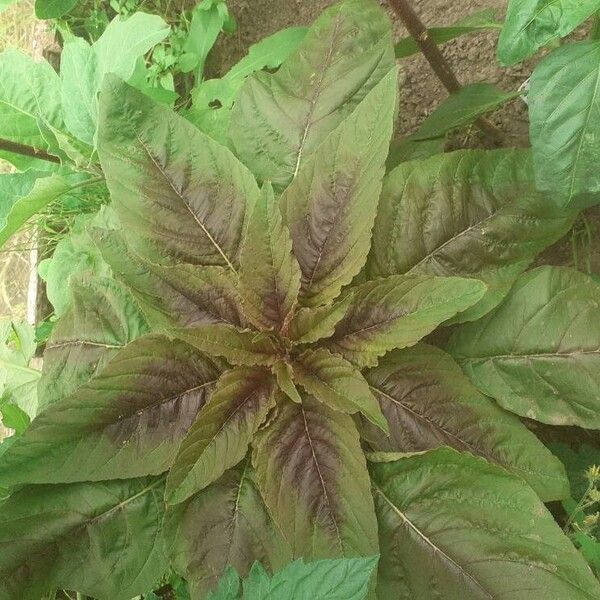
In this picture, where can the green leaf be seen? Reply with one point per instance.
(229, 587)
(238, 346)
(469, 214)
(179, 295)
(403, 149)
(279, 119)
(28, 90)
(128, 421)
(74, 255)
(221, 434)
(179, 194)
(213, 98)
(462, 108)
(563, 104)
(25, 194)
(310, 458)
(18, 378)
(331, 205)
(269, 274)
(532, 24)
(102, 319)
(103, 539)
(343, 578)
(397, 311)
(537, 353)
(53, 9)
(227, 525)
(428, 403)
(452, 522)
(13, 417)
(479, 21)
(84, 67)
(309, 325)
(335, 382)
(285, 380)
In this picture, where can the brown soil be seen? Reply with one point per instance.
(471, 57)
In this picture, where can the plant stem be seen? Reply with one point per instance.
(436, 60)
(24, 150)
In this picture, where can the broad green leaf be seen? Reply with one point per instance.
(53, 9)
(343, 578)
(102, 539)
(74, 255)
(172, 187)
(428, 403)
(179, 295)
(309, 458)
(213, 98)
(28, 90)
(229, 587)
(537, 353)
(331, 205)
(269, 273)
(479, 21)
(83, 67)
(13, 417)
(462, 108)
(237, 346)
(284, 374)
(450, 521)
(224, 525)
(102, 319)
(280, 119)
(469, 214)
(128, 421)
(220, 436)
(532, 24)
(18, 378)
(309, 325)
(25, 194)
(397, 311)
(403, 149)
(563, 106)
(334, 381)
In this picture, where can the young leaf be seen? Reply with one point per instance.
(269, 273)
(479, 21)
(101, 320)
(334, 381)
(330, 206)
(28, 90)
(462, 108)
(84, 67)
(180, 295)
(397, 311)
(320, 471)
(25, 194)
(172, 187)
(309, 325)
(452, 522)
(226, 524)
(468, 213)
(103, 539)
(285, 380)
(126, 422)
(343, 578)
(428, 402)
(279, 120)
(229, 587)
(563, 104)
(532, 24)
(220, 436)
(53, 9)
(539, 356)
(238, 346)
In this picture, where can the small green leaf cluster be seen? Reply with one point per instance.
(242, 375)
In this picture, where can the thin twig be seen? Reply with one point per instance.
(436, 60)
(24, 150)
